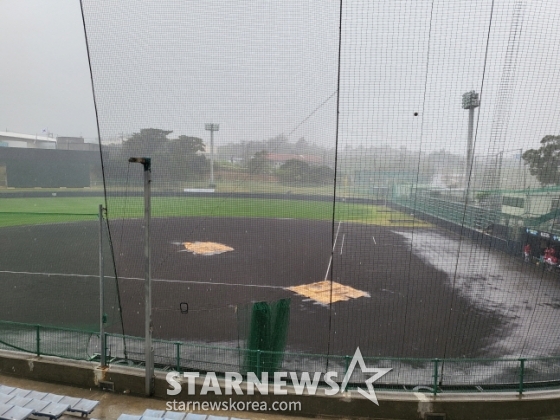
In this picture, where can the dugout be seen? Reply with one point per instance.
(539, 240)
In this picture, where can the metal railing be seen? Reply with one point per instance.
(407, 374)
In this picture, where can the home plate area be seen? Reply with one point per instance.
(321, 292)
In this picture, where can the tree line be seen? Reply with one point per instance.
(175, 159)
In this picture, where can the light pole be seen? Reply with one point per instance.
(470, 102)
(212, 128)
(148, 347)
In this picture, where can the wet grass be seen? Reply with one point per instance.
(27, 211)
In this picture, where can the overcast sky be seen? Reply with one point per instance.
(259, 69)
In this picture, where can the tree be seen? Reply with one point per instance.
(544, 162)
(147, 142)
(298, 172)
(185, 160)
(176, 160)
(188, 146)
(321, 175)
(294, 171)
(259, 163)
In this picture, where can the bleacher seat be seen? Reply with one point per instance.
(18, 392)
(6, 389)
(192, 416)
(173, 415)
(44, 404)
(38, 407)
(155, 413)
(12, 412)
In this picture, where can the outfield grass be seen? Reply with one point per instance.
(26, 211)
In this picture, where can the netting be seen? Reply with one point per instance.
(390, 168)
(266, 336)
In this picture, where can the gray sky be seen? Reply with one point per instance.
(260, 68)
(44, 75)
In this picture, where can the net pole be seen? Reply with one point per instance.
(211, 157)
(148, 347)
(149, 351)
(102, 292)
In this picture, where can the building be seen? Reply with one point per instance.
(75, 143)
(26, 141)
(31, 161)
(29, 141)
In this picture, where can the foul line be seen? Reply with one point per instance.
(141, 279)
(336, 236)
(334, 246)
(342, 245)
(373, 237)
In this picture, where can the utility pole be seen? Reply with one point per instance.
(212, 128)
(470, 102)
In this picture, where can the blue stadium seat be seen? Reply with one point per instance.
(46, 405)
(192, 416)
(154, 413)
(6, 389)
(173, 415)
(11, 412)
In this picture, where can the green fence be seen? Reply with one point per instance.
(407, 374)
(460, 214)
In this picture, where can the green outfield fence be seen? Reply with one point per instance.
(407, 374)
(457, 212)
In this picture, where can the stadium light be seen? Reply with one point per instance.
(212, 128)
(148, 346)
(470, 102)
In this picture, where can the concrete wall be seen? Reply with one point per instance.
(29, 168)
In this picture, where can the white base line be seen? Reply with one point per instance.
(373, 237)
(342, 245)
(334, 246)
(328, 268)
(336, 236)
(141, 279)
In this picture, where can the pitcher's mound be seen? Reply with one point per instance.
(206, 248)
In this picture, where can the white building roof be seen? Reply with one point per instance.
(26, 136)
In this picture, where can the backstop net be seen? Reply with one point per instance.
(324, 176)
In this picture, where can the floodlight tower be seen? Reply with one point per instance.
(470, 102)
(212, 128)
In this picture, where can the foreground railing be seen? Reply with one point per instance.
(407, 374)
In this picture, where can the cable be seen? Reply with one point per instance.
(335, 178)
(103, 171)
(418, 167)
(312, 113)
(461, 233)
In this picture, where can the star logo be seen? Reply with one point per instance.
(378, 373)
